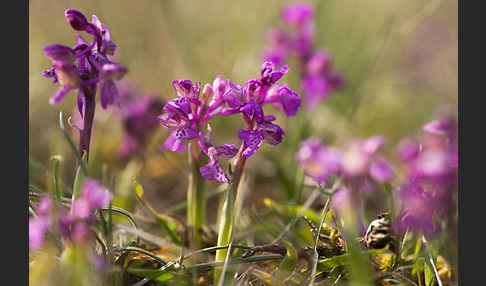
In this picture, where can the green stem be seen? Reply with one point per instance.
(225, 231)
(196, 199)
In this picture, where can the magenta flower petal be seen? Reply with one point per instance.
(59, 53)
(446, 126)
(214, 171)
(373, 144)
(80, 232)
(381, 170)
(95, 194)
(253, 110)
(252, 140)
(341, 199)
(173, 144)
(272, 133)
(316, 88)
(45, 207)
(223, 152)
(283, 97)
(318, 63)
(234, 96)
(319, 162)
(408, 149)
(269, 76)
(37, 231)
(186, 133)
(109, 94)
(81, 102)
(60, 94)
(254, 89)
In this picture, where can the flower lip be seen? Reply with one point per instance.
(76, 19)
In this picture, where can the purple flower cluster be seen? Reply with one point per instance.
(187, 115)
(319, 78)
(94, 68)
(74, 226)
(431, 174)
(360, 162)
(139, 117)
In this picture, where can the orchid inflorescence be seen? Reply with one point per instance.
(187, 115)
(95, 67)
(319, 78)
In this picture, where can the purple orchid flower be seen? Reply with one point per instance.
(186, 115)
(249, 101)
(93, 64)
(86, 67)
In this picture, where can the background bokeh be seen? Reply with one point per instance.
(400, 60)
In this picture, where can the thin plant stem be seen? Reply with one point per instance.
(316, 254)
(225, 233)
(196, 200)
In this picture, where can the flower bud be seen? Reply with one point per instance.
(207, 94)
(76, 19)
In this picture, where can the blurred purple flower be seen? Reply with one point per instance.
(139, 117)
(37, 230)
(381, 170)
(75, 226)
(417, 210)
(298, 14)
(319, 162)
(431, 174)
(319, 79)
(93, 196)
(361, 159)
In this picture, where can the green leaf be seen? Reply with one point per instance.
(418, 246)
(125, 213)
(56, 173)
(288, 263)
(168, 224)
(73, 147)
(146, 252)
(341, 260)
(152, 274)
(225, 230)
(419, 265)
(35, 189)
(292, 211)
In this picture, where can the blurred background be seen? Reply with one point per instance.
(399, 58)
